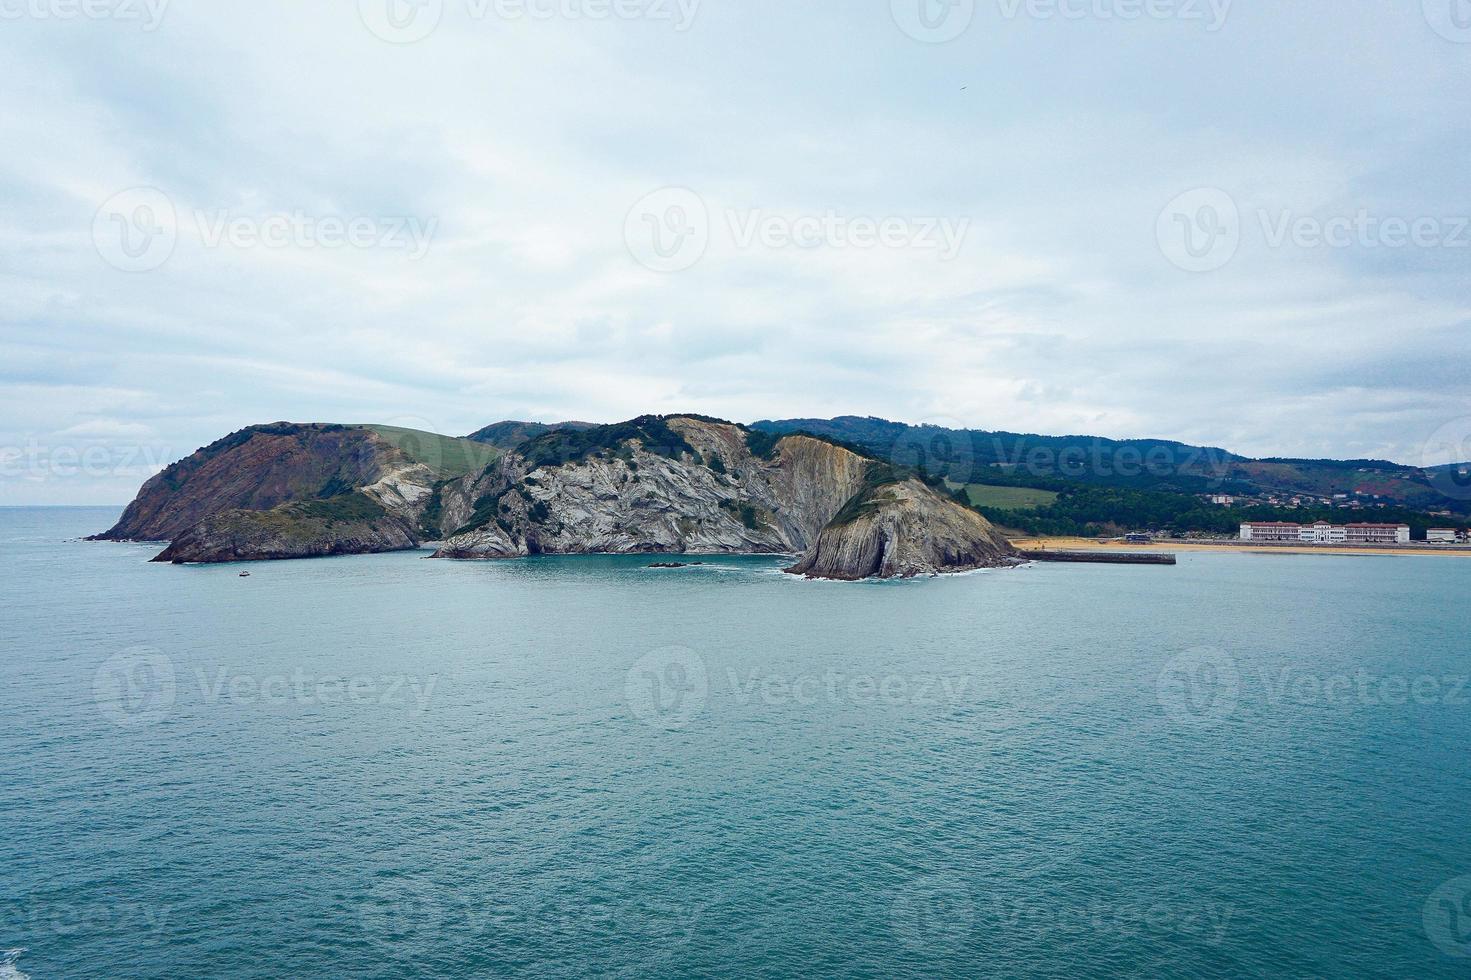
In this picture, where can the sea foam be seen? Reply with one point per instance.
(8, 969)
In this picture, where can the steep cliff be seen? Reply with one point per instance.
(900, 530)
(313, 489)
(665, 486)
(700, 486)
(253, 469)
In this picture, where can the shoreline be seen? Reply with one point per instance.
(1252, 547)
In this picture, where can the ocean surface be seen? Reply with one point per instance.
(393, 767)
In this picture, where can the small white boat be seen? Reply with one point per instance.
(245, 575)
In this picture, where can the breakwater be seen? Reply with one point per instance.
(1101, 557)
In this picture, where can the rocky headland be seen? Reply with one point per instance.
(658, 485)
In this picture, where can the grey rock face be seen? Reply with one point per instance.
(725, 500)
(902, 530)
(729, 501)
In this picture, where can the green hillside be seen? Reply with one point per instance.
(447, 456)
(1006, 498)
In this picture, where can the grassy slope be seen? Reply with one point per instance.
(1007, 498)
(447, 456)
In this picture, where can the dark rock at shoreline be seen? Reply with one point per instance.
(354, 525)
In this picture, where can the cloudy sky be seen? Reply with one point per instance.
(1240, 224)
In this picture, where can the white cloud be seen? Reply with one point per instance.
(527, 142)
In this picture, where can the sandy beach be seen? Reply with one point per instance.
(1091, 544)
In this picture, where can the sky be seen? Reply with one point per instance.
(1238, 224)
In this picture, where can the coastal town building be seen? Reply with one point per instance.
(1378, 534)
(1323, 532)
(1441, 535)
(1272, 531)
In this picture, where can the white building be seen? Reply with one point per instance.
(1324, 533)
(1270, 531)
(1378, 534)
(1441, 535)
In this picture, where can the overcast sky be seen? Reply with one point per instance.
(1238, 224)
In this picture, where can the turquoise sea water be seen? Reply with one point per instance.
(393, 767)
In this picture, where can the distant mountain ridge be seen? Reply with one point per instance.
(976, 455)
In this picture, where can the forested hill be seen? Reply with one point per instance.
(963, 454)
(972, 456)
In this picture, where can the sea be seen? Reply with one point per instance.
(390, 766)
